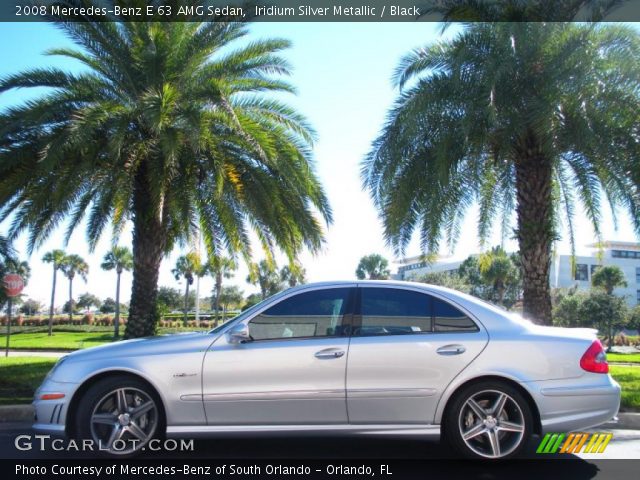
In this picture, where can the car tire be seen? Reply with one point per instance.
(121, 415)
(488, 420)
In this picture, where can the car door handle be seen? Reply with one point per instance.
(451, 350)
(329, 353)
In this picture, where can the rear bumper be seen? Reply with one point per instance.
(576, 404)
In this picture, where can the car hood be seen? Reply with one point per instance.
(143, 346)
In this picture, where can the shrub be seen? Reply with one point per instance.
(88, 319)
(621, 340)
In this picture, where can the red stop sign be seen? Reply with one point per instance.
(13, 284)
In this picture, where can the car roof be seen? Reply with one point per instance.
(487, 312)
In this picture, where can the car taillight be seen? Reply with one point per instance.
(595, 359)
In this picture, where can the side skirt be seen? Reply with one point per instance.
(199, 431)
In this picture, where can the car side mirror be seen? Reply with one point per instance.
(239, 334)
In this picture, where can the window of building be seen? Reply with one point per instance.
(638, 296)
(638, 275)
(312, 314)
(582, 272)
(594, 268)
(625, 254)
(394, 311)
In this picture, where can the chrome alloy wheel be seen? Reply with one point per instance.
(491, 423)
(123, 421)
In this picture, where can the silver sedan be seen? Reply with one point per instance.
(340, 357)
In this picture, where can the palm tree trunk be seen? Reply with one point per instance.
(149, 240)
(116, 322)
(71, 300)
(186, 303)
(535, 228)
(218, 292)
(53, 299)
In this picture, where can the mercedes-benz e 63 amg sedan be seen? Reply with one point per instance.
(344, 357)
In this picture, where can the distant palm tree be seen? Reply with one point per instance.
(531, 117)
(266, 277)
(498, 270)
(608, 277)
(373, 267)
(187, 266)
(118, 259)
(71, 266)
(172, 126)
(293, 274)
(219, 267)
(54, 257)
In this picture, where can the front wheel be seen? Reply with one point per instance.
(489, 420)
(120, 415)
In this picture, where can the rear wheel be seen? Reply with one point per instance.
(120, 414)
(489, 420)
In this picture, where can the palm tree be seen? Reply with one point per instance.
(373, 267)
(608, 278)
(187, 266)
(173, 127)
(266, 277)
(118, 259)
(520, 11)
(293, 274)
(498, 270)
(55, 258)
(6, 250)
(71, 266)
(219, 267)
(530, 117)
(230, 295)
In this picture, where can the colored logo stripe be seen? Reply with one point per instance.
(574, 442)
(598, 443)
(550, 443)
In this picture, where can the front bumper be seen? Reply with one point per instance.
(51, 415)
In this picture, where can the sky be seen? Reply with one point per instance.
(343, 75)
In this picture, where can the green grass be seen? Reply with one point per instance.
(20, 376)
(57, 341)
(624, 357)
(629, 380)
(68, 340)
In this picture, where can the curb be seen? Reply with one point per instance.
(16, 413)
(24, 413)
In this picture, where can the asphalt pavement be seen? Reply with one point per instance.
(621, 458)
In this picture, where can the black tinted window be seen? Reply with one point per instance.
(448, 318)
(392, 311)
(312, 314)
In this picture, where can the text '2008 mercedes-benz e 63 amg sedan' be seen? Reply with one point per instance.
(342, 357)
